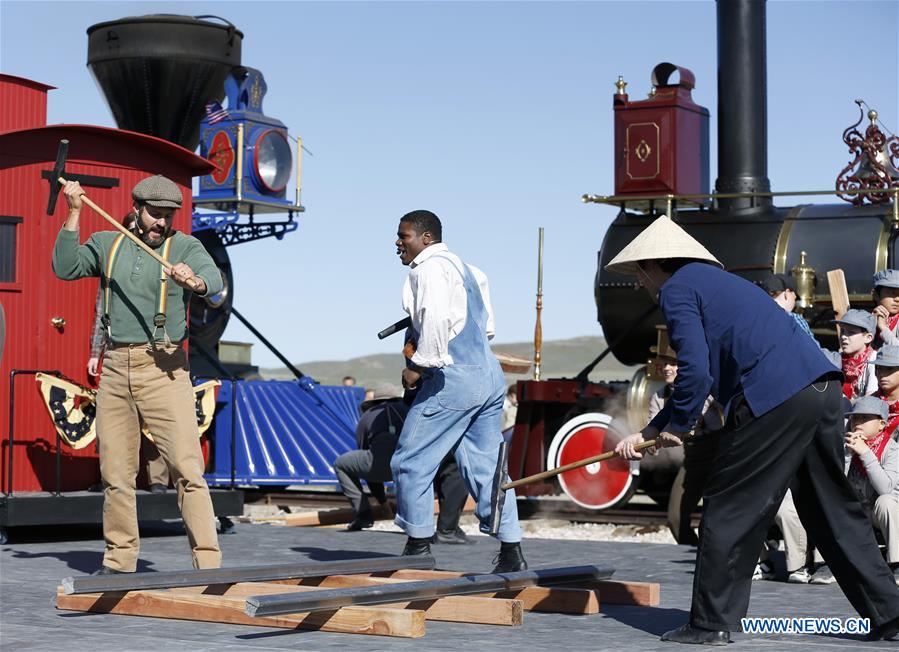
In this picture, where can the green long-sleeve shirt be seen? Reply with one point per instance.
(134, 288)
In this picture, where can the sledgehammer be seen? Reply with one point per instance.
(59, 171)
(500, 487)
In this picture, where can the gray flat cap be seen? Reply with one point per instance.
(381, 393)
(887, 278)
(888, 356)
(157, 191)
(860, 318)
(871, 405)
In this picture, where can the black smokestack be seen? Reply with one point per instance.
(158, 72)
(742, 104)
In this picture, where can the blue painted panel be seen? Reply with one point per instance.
(285, 431)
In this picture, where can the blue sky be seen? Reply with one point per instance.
(497, 116)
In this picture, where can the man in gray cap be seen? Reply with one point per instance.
(886, 296)
(872, 463)
(857, 328)
(145, 372)
(377, 433)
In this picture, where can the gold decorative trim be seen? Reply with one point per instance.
(783, 240)
(627, 149)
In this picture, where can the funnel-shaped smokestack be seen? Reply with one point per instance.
(158, 72)
(742, 104)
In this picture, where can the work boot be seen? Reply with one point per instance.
(417, 547)
(509, 559)
(452, 537)
(360, 523)
(697, 636)
(106, 570)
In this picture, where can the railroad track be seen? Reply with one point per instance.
(540, 508)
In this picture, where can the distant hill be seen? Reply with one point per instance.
(560, 358)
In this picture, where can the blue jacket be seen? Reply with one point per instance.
(730, 337)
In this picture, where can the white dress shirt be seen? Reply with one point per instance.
(434, 297)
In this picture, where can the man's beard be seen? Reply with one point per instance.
(144, 235)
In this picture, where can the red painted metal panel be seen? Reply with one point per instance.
(24, 103)
(32, 342)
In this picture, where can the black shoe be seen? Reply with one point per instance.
(697, 636)
(157, 488)
(417, 547)
(360, 523)
(452, 537)
(509, 559)
(106, 570)
(889, 631)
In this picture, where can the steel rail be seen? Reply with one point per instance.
(172, 579)
(327, 599)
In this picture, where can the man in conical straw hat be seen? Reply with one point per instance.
(784, 424)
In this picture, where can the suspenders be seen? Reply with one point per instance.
(161, 296)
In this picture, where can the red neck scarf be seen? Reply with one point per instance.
(854, 367)
(879, 443)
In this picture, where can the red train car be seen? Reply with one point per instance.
(48, 321)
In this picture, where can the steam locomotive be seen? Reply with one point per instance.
(661, 166)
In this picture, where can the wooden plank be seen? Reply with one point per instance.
(381, 621)
(342, 515)
(641, 594)
(532, 598)
(455, 609)
(839, 294)
(645, 594)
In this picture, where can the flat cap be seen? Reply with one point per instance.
(871, 405)
(887, 278)
(861, 318)
(157, 191)
(777, 283)
(888, 356)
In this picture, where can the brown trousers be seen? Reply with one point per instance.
(157, 469)
(153, 386)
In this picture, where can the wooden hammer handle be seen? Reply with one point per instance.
(128, 234)
(574, 465)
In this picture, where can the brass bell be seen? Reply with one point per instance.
(805, 282)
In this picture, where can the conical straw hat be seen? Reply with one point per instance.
(661, 239)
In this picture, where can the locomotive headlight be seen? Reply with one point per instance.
(273, 160)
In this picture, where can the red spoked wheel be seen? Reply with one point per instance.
(602, 485)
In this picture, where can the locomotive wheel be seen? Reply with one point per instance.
(602, 485)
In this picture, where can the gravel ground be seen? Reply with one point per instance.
(542, 528)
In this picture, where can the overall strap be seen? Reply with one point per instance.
(162, 296)
(107, 281)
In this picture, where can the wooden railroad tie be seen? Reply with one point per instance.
(228, 602)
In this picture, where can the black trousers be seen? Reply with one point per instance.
(452, 493)
(799, 442)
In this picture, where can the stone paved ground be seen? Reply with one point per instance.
(34, 561)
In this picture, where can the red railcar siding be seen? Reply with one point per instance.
(32, 342)
(24, 103)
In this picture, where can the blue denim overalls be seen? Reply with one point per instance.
(459, 409)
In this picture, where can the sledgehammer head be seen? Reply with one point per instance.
(59, 170)
(497, 495)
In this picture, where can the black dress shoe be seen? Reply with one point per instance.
(509, 559)
(360, 523)
(697, 636)
(452, 537)
(417, 547)
(157, 488)
(106, 570)
(889, 631)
